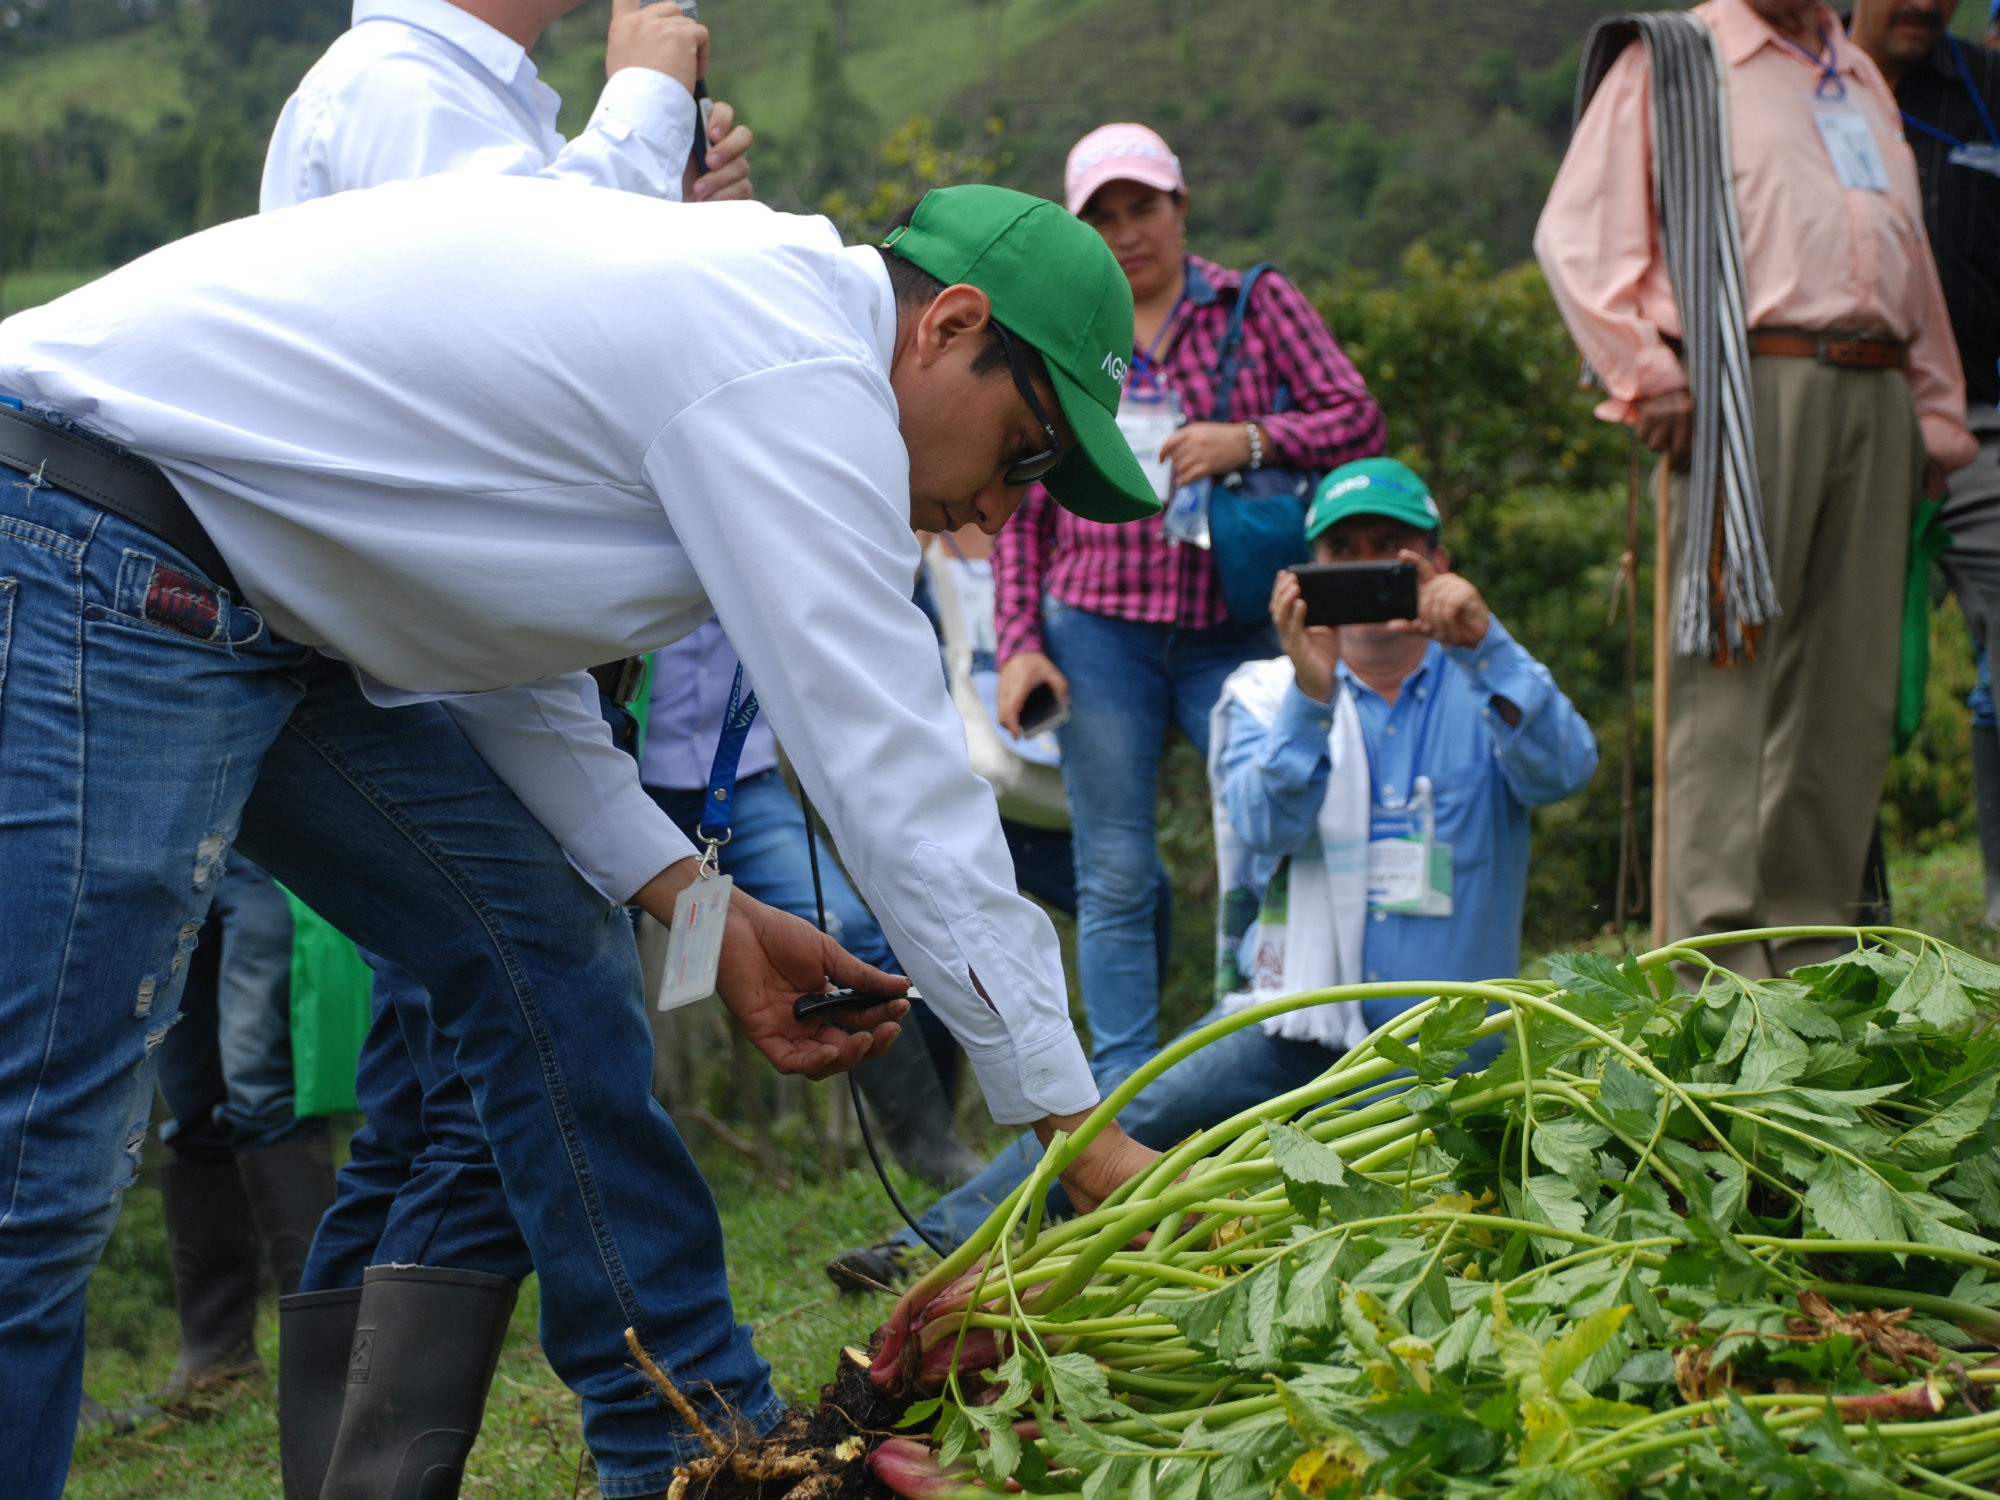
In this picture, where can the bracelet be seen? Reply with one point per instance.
(1256, 437)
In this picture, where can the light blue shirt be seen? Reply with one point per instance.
(691, 683)
(1484, 776)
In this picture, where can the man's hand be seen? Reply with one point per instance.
(1449, 609)
(728, 162)
(1022, 674)
(1665, 424)
(1202, 450)
(769, 959)
(657, 37)
(1314, 649)
(1105, 1165)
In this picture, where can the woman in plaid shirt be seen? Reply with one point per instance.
(1128, 626)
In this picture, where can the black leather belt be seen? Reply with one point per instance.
(119, 481)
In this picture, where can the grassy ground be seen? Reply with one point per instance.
(531, 1446)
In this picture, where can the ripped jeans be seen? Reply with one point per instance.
(146, 719)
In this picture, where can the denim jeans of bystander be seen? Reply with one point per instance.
(1129, 684)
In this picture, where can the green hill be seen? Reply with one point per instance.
(1316, 131)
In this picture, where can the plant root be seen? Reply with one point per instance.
(817, 1453)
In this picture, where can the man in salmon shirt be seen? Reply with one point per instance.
(1844, 401)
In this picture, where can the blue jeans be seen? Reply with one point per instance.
(420, 1187)
(226, 1067)
(1225, 1078)
(1129, 683)
(138, 706)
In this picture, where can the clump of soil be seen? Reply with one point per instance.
(814, 1453)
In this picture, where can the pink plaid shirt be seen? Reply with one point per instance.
(1130, 571)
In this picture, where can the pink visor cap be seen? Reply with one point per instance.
(1113, 153)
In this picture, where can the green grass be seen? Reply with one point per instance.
(531, 1447)
(532, 1443)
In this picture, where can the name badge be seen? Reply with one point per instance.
(694, 942)
(1148, 420)
(1851, 143)
(1409, 870)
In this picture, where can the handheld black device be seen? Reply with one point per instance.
(698, 150)
(1042, 711)
(1358, 593)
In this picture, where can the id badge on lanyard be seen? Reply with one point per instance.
(1843, 127)
(1981, 156)
(1148, 417)
(1409, 870)
(694, 941)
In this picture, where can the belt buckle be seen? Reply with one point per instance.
(1852, 351)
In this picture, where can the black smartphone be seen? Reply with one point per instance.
(1358, 593)
(1042, 712)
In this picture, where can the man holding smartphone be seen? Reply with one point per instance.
(281, 487)
(1371, 789)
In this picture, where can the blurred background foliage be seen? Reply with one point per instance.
(1391, 158)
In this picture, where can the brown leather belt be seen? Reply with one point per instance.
(1832, 346)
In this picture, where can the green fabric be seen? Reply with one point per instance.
(641, 706)
(1372, 487)
(1928, 538)
(330, 985)
(1052, 280)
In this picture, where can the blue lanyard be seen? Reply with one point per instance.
(1977, 103)
(1829, 72)
(715, 807)
(1142, 361)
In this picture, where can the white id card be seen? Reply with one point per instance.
(1409, 871)
(1857, 158)
(1148, 422)
(694, 942)
(1981, 156)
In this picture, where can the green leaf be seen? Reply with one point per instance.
(1401, 1053)
(1832, 1065)
(1849, 1203)
(1078, 1382)
(1445, 1035)
(1569, 1146)
(1975, 1183)
(1790, 1006)
(1548, 1199)
(1935, 1139)
(1931, 995)
(923, 1410)
(1564, 1355)
(1774, 1057)
(1629, 1101)
(1308, 1167)
(996, 1458)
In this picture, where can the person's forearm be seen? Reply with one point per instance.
(656, 897)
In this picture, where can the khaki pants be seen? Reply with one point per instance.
(1775, 766)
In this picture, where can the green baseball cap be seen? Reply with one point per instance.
(1053, 281)
(1372, 487)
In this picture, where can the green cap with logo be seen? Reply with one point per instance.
(1372, 487)
(1054, 282)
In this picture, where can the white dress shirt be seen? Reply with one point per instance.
(473, 432)
(691, 683)
(419, 87)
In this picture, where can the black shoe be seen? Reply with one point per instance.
(290, 1188)
(426, 1342)
(213, 1240)
(871, 1268)
(315, 1335)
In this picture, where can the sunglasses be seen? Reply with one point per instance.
(1035, 465)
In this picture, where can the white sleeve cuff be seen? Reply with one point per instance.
(651, 105)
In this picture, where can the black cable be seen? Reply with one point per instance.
(853, 1083)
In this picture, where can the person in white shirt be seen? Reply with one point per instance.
(423, 451)
(413, 89)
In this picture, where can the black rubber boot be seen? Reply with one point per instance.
(1986, 806)
(291, 1188)
(213, 1238)
(909, 1108)
(425, 1345)
(315, 1335)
